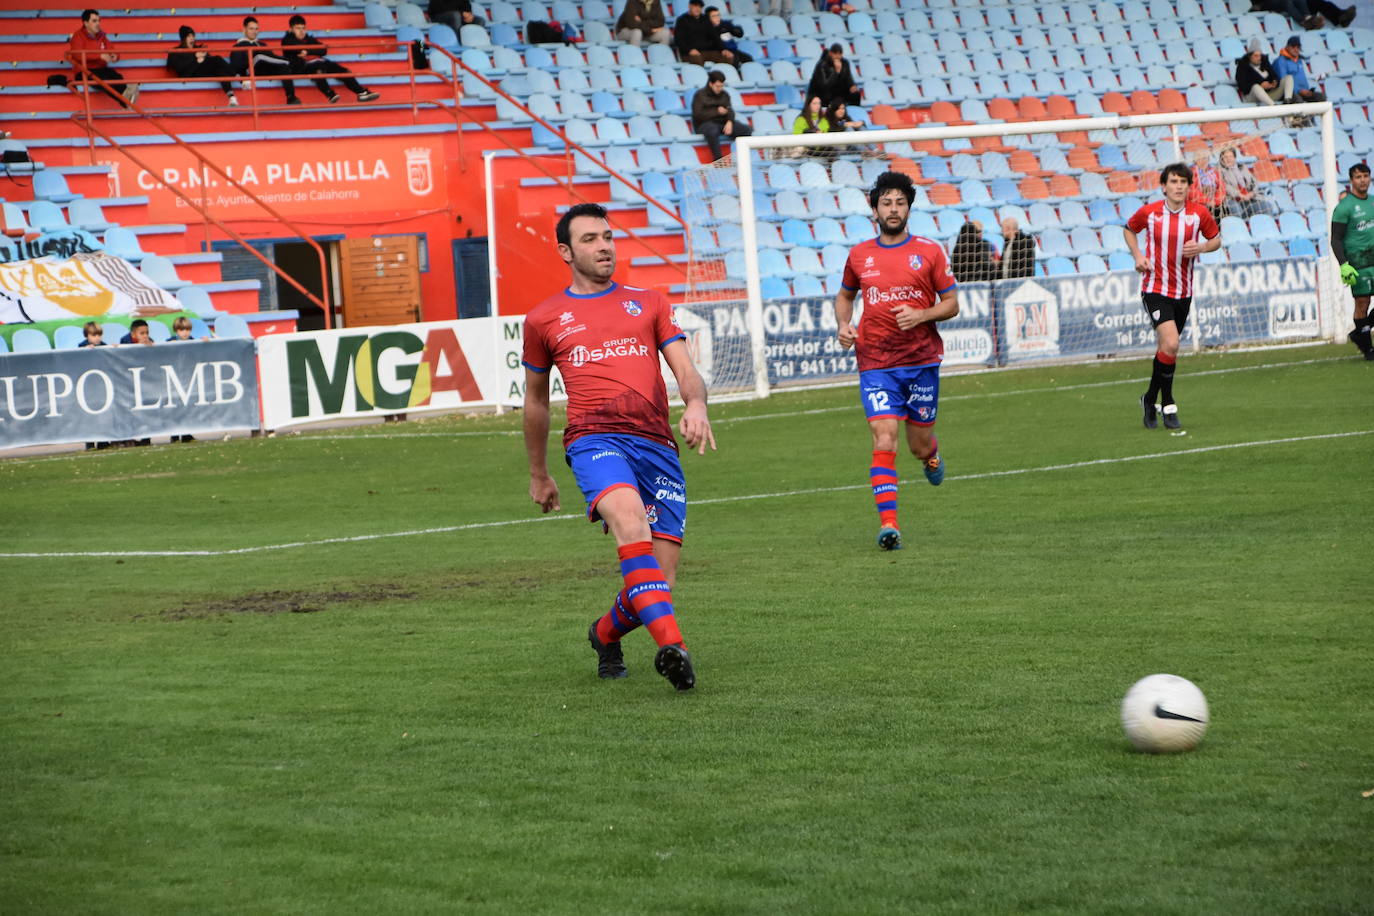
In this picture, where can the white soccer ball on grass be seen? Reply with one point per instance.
(1164, 713)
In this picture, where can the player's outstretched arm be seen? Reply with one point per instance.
(844, 317)
(695, 425)
(543, 489)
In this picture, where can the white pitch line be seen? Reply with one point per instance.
(698, 502)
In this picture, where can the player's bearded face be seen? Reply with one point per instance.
(591, 252)
(892, 212)
(1359, 183)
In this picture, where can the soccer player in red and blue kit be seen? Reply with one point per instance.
(1176, 232)
(906, 287)
(605, 340)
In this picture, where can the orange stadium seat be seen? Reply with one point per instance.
(1265, 170)
(1255, 147)
(1115, 103)
(1212, 129)
(1031, 108)
(931, 147)
(1172, 100)
(1033, 188)
(1024, 162)
(1295, 170)
(987, 144)
(1064, 186)
(1080, 157)
(1143, 102)
(1149, 179)
(945, 112)
(1060, 106)
(1078, 138)
(885, 115)
(1122, 183)
(1002, 109)
(943, 195)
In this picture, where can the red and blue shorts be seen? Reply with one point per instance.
(602, 463)
(910, 393)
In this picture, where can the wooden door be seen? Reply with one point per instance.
(381, 280)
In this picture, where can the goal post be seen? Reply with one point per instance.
(730, 297)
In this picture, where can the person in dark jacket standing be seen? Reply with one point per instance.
(1018, 254)
(971, 260)
(833, 79)
(1256, 80)
(306, 54)
(453, 13)
(696, 40)
(265, 62)
(200, 65)
(713, 114)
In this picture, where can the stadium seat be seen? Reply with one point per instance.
(50, 185)
(1120, 260)
(86, 214)
(29, 340)
(1262, 227)
(805, 260)
(773, 287)
(232, 325)
(1302, 247)
(123, 244)
(1291, 225)
(46, 216)
(68, 337)
(162, 272)
(1059, 266)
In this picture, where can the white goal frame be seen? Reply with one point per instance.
(745, 164)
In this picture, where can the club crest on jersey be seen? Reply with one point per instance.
(632, 307)
(923, 413)
(868, 261)
(651, 512)
(915, 262)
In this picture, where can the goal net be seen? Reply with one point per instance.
(773, 223)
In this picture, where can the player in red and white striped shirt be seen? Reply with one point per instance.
(1176, 232)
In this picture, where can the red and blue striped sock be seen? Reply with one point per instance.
(619, 620)
(649, 596)
(883, 476)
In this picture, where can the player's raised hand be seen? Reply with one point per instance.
(544, 491)
(847, 335)
(696, 429)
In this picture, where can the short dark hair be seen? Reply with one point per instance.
(563, 233)
(248, 19)
(715, 76)
(297, 19)
(1175, 168)
(136, 324)
(712, 9)
(889, 180)
(87, 14)
(1359, 168)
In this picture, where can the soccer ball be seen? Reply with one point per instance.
(1164, 713)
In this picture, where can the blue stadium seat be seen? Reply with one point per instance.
(858, 228)
(1059, 265)
(46, 216)
(1262, 227)
(808, 285)
(231, 326)
(798, 232)
(123, 244)
(1102, 212)
(773, 288)
(1302, 247)
(805, 260)
(1084, 240)
(29, 340)
(1120, 260)
(68, 337)
(1292, 225)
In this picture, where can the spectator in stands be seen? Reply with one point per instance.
(833, 79)
(1289, 63)
(1310, 14)
(775, 8)
(138, 333)
(727, 32)
(1018, 252)
(839, 118)
(812, 118)
(971, 260)
(713, 114)
(267, 62)
(838, 7)
(90, 38)
(202, 64)
(1207, 189)
(1243, 195)
(696, 41)
(643, 19)
(93, 335)
(1256, 79)
(307, 56)
(453, 13)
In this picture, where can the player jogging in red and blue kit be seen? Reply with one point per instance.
(905, 286)
(1176, 232)
(605, 340)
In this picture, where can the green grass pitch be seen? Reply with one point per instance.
(358, 681)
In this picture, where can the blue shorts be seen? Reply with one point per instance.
(910, 393)
(603, 463)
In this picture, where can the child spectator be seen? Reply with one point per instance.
(727, 32)
(94, 335)
(90, 38)
(201, 64)
(138, 333)
(306, 54)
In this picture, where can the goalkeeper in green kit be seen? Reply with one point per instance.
(1352, 241)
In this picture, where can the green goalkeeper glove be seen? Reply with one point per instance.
(1349, 275)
